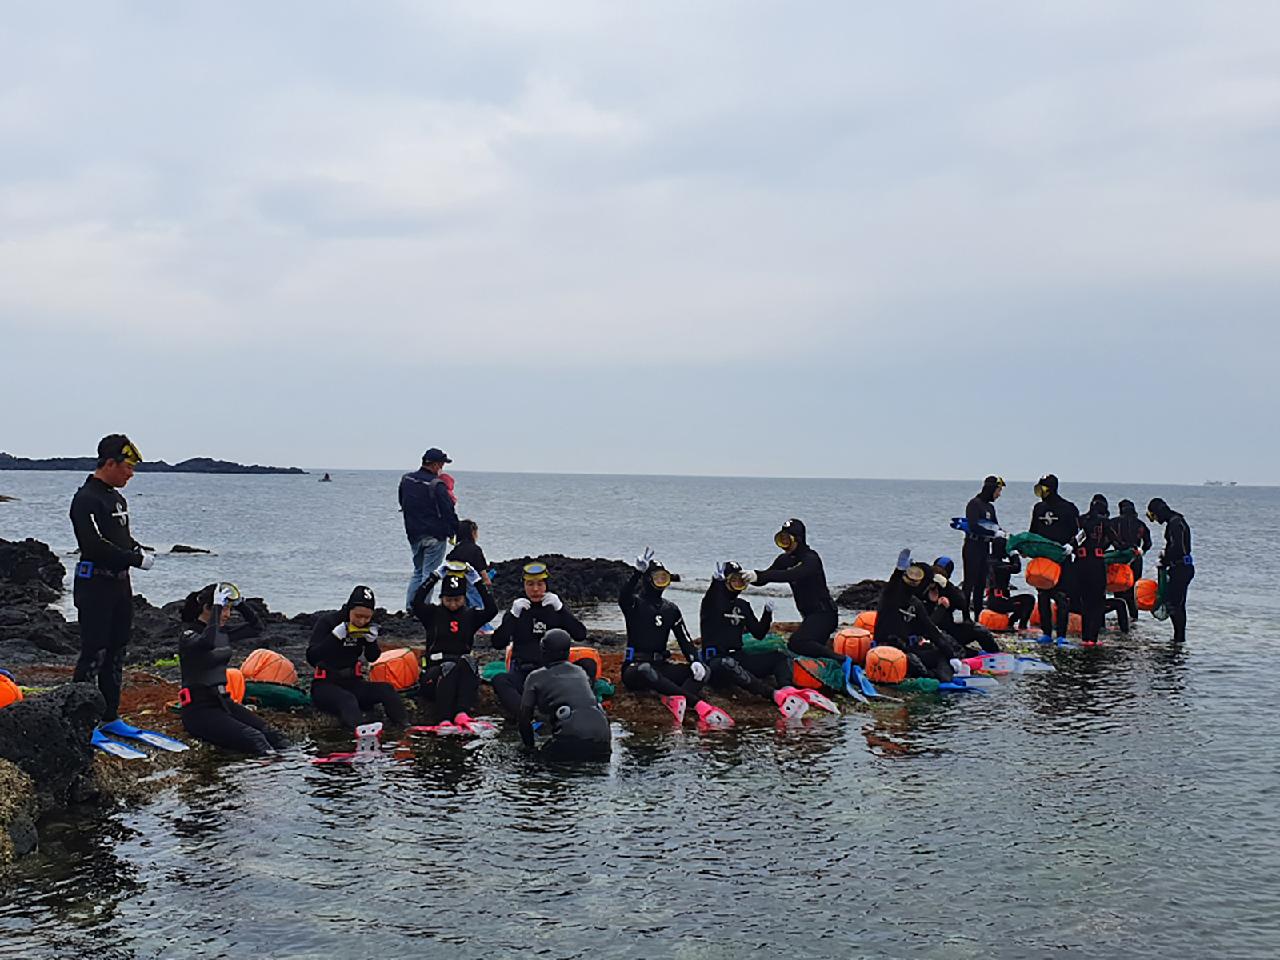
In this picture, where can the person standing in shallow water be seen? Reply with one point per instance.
(102, 590)
(1132, 534)
(429, 518)
(980, 515)
(1056, 518)
(1176, 562)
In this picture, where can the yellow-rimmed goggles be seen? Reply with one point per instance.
(129, 454)
(660, 578)
(535, 571)
(736, 582)
(230, 588)
(784, 541)
(1041, 490)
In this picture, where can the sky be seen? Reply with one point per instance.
(932, 240)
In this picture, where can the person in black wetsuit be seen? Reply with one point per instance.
(726, 617)
(561, 691)
(450, 684)
(338, 641)
(984, 527)
(102, 591)
(647, 665)
(1057, 519)
(530, 618)
(903, 621)
(1090, 568)
(1000, 590)
(1177, 562)
(952, 600)
(800, 566)
(1131, 534)
(204, 650)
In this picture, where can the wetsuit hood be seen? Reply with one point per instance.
(795, 529)
(1127, 509)
(1159, 509)
(989, 487)
(1099, 505)
(360, 597)
(555, 646)
(1049, 483)
(651, 590)
(945, 565)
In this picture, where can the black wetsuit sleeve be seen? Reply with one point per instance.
(323, 645)
(706, 618)
(1177, 541)
(758, 627)
(1145, 533)
(684, 640)
(572, 625)
(490, 608)
(193, 641)
(505, 632)
(780, 574)
(88, 523)
(420, 608)
(528, 704)
(975, 512)
(372, 650)
(927, 627)
(628, 596)
(252, 626)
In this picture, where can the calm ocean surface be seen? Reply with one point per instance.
(1125, 806)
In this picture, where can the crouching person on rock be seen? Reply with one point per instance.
(561, 691)
(338, 640)
(208, 712)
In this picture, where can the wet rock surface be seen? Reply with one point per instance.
(863, 595)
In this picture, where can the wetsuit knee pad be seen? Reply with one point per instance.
(647, 673)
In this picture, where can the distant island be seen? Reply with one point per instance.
(88, 464)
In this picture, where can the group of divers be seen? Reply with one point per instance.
(921, 613)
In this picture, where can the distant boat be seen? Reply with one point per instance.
(326, 479)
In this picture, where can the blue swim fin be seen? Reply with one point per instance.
(849, 686)
(107, 745)
(118, 728)
(869, 688)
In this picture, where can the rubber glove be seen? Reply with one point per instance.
(373, 632)
(719, 574)
(904, 559)
(1071, 554)
(222, 594)
(646, 558)
(147, 561)
(473, 576)
(340, 631)
(750, 576)
(442, 570)
(769, 606)
(520, 606)
(699, 670)
(552, 601)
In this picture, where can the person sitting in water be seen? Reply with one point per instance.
(524, 626)
(651, 620)
(952, 600)
(204, 650)
(726, 617)
(450, 684)
(338, 641)
(1000, 589)
(561, 692)
(800, 566)
(902, 620)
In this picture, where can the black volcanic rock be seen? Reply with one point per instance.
(574, 579)
(863, 595)
(193, 465)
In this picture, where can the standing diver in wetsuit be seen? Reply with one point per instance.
(800, 566)
(1131, 534)
(1057, 519)
(1177, 563)
(651, 620)
(338, 640)
(902, 620)
(726, 617)
(102, 591)
(980, 515)
(951, 599)
(561, 691)
(523, 626)
(450, 684)
(1090, 568)
(204, 650)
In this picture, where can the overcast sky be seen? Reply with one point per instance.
(812, 239)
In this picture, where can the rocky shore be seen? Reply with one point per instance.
(192, 465)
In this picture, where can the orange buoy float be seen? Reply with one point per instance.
(853, 642)
(1043, 573)
(1119, 577)
(267, 666)
(397, 667)
(10, 692)
(866, 620)
(1145, 592)
(886, 665)
(804, 672)
(235, 684)
(996, 622)
(580, 655)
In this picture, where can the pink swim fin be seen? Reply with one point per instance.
(821, 701)
(677, 707)
(713, 716)
(790, 703)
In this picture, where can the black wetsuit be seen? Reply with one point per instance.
(902, 621)
(977, 550)
(1179, 571)
(726, 617)
(651, 621)
(525, 634)
(966, 632)
(1131, 533)
(208, 713)
(579, 728)
(802, 568)
(1090, 570)
(450, 683)
(1000, 593)
(101, 589)
(338, 687)
(1056, 518)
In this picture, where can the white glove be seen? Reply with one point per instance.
(904, 558)
(699, 670)
(148, 560)
(1071, 554)
(442, 570)
(222, 594)
(340, 631)
(768, 606)
(1002, 534)
(372, 635)
(719, 574)
(552, 601)
(646, 558)
(520, 606)
(473, 576)
(750, 576)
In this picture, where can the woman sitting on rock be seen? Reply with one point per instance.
(338, 640)
(204, 649)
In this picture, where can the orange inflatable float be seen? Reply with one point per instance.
(9, 692)
(1119, 577)
(996, 622)
(579, 654)
(397, 667)
(1043, 573)
(235, 684)
(853, 642)
(267, 666)
(866, 621)
(1145, 592)
(886, 665)
(1074, 623)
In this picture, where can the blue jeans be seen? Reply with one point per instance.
(428, 554)
(473, 597)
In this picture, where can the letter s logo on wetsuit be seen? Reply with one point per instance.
(122, 515)
(1049, 518)
(735, 616)
(657, 621)
(453, 626)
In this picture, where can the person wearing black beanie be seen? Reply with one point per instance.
(338, 641)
